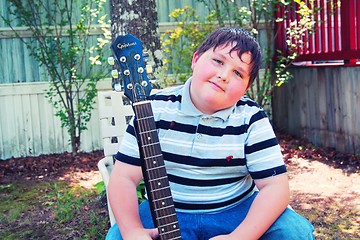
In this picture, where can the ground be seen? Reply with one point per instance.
(324, 183)
(80, 169)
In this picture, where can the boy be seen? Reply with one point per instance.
(225, 167)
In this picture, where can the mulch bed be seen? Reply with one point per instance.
(52, 166)
(47, 167)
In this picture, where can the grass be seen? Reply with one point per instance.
(44, 210)
(333, 220)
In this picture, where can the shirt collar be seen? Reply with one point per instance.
(188, 108)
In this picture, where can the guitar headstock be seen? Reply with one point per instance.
(127, 51)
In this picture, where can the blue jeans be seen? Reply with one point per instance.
(289, 225)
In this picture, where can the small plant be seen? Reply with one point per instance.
(141, 192)
(43, 210)
(67, 202)
(180, 43)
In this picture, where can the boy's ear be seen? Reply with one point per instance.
(194, 59)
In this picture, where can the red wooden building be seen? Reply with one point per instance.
(335, 34)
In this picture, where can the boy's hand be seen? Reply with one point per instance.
(143, 234)
(221, 237)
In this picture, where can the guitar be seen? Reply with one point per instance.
(127, 51)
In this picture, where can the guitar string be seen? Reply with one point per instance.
(152, 151)
(167, 220)
(150, 148)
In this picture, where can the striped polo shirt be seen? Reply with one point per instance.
(211, 160)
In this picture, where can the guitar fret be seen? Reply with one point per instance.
(156, 179)
(175, 223)
(179, 237)
(155, 168)
(148, 131)
(159, 199)
(154, 156)
(162, 217)
(159, 189)
(151, 144)
(163, 208)
(145, 118)
(170, 232)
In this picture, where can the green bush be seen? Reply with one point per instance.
(179, 44)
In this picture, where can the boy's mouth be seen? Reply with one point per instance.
(217, 86)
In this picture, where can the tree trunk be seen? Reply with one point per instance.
(139, 18)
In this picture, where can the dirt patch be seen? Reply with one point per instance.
(324, 188)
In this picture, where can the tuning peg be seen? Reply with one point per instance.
(115, 73)
(144, 83)
(129, 86)
(137, 57)
(111, 61)
(123, 59)
(140, 70)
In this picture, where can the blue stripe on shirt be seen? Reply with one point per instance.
(257, 116)
(208, 130)
(203, 183)
(127, 159)
(208, 206)
(172, 98)
(192, 161)
(166, 125)
(229, 130)
(268, 172)
(261, 145)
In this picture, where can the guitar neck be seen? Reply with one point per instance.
(154, 171)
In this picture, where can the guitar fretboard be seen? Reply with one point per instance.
(154, 171)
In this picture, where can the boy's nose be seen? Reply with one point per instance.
(223, 75)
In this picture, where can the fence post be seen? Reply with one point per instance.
(348, 28)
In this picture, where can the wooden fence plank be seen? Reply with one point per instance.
(29, 127)
(322, 106)
(6, 128)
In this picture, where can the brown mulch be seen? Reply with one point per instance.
(55, 166)
(51, 167)
(293, 148)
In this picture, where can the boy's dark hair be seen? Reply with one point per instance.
(245, 42)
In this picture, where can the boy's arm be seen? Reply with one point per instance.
(124, 202)
(273, 198)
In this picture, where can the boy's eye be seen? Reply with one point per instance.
(237, 73)
(217, 61)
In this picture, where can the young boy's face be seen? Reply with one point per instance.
(220, 78)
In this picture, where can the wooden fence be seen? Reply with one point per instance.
(28, 126)
(322, 105)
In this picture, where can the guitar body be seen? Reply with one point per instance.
(128, 53)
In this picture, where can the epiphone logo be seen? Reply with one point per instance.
(125, 45)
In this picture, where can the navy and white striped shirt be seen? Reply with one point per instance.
(211, 160)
